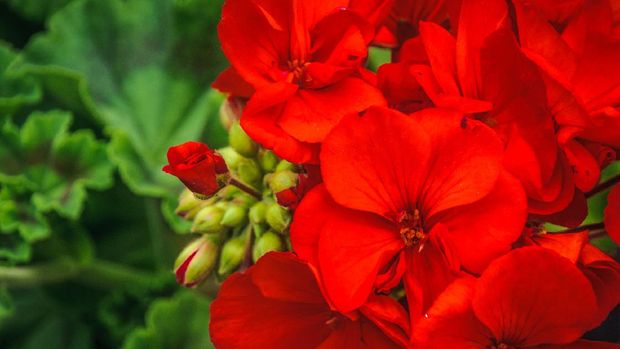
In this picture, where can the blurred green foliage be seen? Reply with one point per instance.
(92, 94)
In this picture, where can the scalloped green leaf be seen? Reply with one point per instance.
(19, 215)
(16, 90)
(56, 166)
(179, 322)
(141, 67)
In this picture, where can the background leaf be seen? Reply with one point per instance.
(143, 68)
(179, 322)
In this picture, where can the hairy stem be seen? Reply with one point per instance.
(247, 189)
(603, 186)
(98, 273)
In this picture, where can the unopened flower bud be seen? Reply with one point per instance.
(196, 261)
(241, 142)
(209, 221)
(232, 254)
(189, 205)
(249, 171)
(230, 111)
(267, 160)
(282, 180)
(284, 165)
(234, 215)
(258, 212)
(202, 170)
(267, 242)
(231, 157)
(277, 217)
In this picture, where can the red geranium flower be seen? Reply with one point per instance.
(482, 73)
(278, 304)
(198, 167)
(529, 298)
(578, 55)
(304, 61)
(422, 196)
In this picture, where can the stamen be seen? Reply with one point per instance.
(411, 229)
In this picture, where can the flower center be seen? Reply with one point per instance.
(500, 345)
(410, 227)
(298, 69)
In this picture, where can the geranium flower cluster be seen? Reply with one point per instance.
(433, 179)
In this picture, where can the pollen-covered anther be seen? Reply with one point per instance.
(411, 229)
(298, 70)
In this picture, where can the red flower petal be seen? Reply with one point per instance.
(243, 318)
(313, 213)
(486, 229)
(258, 121)
(477, 21)
(310, 114)
(583, 344)
(256, 57)
(375, 162)
(534, 296)
(429, 272)
(229, 81)
(466, 160)
(604, 274)
(351, 254)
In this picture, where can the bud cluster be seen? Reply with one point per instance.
(235, 228)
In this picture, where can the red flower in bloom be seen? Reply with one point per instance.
(303, 59)
(482, 73)
(602, 271)
(198, 167)
(581, 76)
(612, 214)
(421, 196)
(278, 304)
(529, 298)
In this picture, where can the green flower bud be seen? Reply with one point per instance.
(249, 171)
(267, 242)
(282, 180)
(189, 205)
(209, 221)
(277, 217)
(241, 142)
(196, 262)
(267, 160)
(231, 157)
(234, 215)
(232, 254)
(285, 165)
(258, 212)
(259, 229)
(230, 111)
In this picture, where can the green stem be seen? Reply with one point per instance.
(156, 232)
(99, 273)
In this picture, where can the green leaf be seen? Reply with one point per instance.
(18, 214)
(16, 90)
(143, 68)
(36, 10)
(179, 322)
(6, 304)
(55, 165)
